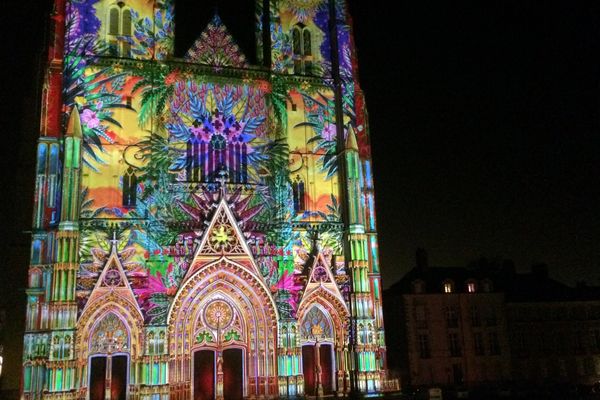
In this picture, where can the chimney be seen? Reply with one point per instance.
(422, 262)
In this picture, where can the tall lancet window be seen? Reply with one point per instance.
(296, 44)
(298, 194)
(129, 188)
(118, 29)
(302, 48)
(211, 154)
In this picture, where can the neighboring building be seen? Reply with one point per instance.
(203, 228)
(453, 327)
(489, 326)
(554, 330)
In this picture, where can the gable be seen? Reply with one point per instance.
(223, 239)
(216, 47)
(112, 279)
(320, 278)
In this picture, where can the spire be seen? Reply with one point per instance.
(351, 143)
(114, 242)
(74, 124)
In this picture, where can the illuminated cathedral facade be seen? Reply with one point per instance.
(203, 228)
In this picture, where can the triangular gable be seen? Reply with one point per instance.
(320, 273)
(216, 47)
(321, 277)
(112, 279)
(223, 238)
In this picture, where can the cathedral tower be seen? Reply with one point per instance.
(204, 228)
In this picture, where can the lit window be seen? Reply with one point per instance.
(448, 287)
(471, 287)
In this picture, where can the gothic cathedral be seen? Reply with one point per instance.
(203, 228)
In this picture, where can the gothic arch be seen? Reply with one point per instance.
(334, 307)
(234, 284)
(101, 306)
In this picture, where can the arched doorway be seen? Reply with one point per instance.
(224, 321)
(109, 355)
(219, 351)
(206, 373)
(318, 360)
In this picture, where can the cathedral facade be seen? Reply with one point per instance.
(203, 228)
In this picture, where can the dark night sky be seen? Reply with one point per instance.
(484, 123)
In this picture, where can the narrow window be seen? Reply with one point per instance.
(113, 21)
(475, 317)
(129, 188)
(596, 340)
(457, 372)
(478, 338)
(421, 316)
(454, 345)
(494, 343)
(306, 43)
(491, 318)
(298, 194)
(424, 350)
(452, 317)
(471, 287)
(119, 28)
(448, 287)
(296, 43)
(126, 22)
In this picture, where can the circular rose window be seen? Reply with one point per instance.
(218, 314)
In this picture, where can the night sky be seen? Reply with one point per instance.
(484, 124)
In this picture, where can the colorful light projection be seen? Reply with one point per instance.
(191, 221)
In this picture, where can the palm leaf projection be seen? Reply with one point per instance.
(156, 86)
(95, 92)
(321, 118)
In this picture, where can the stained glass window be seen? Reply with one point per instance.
(315, 318)
(110, 336)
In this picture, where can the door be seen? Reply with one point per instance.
(233, 375)
(325, 355)
(118, 378)
(108, 372)
(204, 375)
(97, 382)
(308, 369)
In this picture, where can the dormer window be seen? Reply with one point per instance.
(302, 48)
(418, 286)
(471, 287)
(448, 287)
(487, 286)
(118, 29)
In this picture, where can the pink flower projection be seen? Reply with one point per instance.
(90, 118)
(328, 133)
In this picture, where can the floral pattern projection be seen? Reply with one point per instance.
(178, 134)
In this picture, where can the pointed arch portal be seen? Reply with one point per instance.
(318, 359)
(222, 330)
(109, 358)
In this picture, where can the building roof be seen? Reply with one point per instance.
(534, 286)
